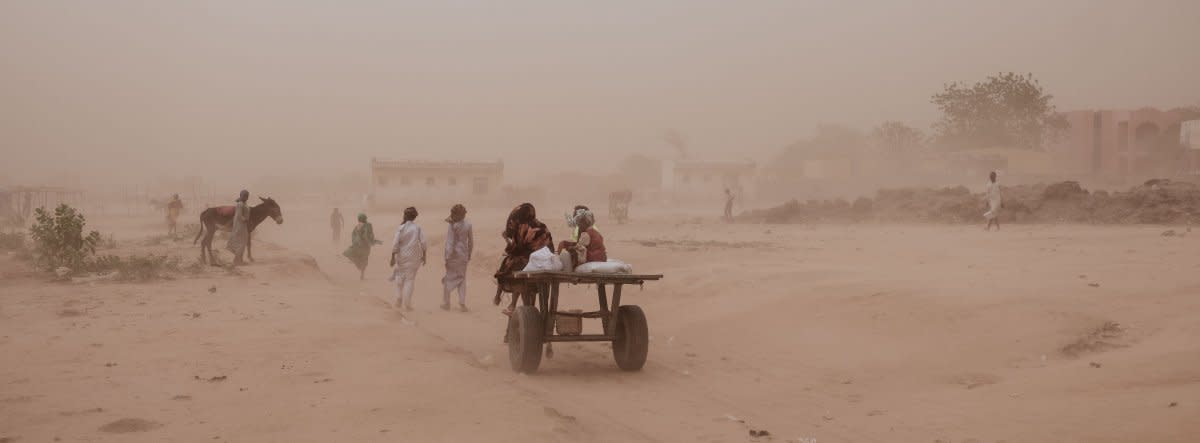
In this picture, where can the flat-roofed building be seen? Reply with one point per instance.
(400, 183)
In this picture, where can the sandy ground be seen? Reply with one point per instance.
(814, 333)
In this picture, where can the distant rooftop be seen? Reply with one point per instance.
(715, 165)
(19, 188)
(380, 163)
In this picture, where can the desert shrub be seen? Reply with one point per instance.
(58, 239)
(148, 267)
(137, 268)
(103, 263)
(12, 241)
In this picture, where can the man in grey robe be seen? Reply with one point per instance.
(239, 235)
(460, 243)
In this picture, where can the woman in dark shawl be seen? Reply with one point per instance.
(361, 241)
(523, 234)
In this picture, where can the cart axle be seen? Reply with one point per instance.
(587, 337)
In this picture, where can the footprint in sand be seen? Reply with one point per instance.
(972, 381)
(17, 399)
(80, 412)
(1107, 336)
(126, 425)
(553, 413)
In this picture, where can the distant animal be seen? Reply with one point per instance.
(618, 205)
(222, 216)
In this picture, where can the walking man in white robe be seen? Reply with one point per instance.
(460, 243)
(408, 255)
(994, 203)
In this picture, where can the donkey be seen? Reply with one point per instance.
(222, 216)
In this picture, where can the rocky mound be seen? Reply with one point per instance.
(1155, 202)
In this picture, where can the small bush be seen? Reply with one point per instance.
(137, 268)
(149, 267)
(58, 239)
(104, 263)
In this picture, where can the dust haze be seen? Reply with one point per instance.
(794, 196)
(234, 89)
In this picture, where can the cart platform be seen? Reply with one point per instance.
(532, 327)
(585, 278)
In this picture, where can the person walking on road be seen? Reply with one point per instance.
(408, 255)
(460, 244)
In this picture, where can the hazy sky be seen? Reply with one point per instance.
(133, 89)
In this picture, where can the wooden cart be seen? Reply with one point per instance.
(530, 327)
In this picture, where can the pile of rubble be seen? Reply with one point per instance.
(1153, 202)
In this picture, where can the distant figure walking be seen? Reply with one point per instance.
(994, 202)
(728, 205)
(408, 255)
(460, 244)
(362, 238)
(335, 224)
(239, 235)
(174, 207)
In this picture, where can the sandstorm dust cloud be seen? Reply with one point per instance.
(812, 181)
(127, 91)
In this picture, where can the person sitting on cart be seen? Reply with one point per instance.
(575, 226)
(523, 234)
(589, 247)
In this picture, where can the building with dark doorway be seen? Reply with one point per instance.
(1118, 143)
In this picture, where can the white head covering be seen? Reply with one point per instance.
(583, 216)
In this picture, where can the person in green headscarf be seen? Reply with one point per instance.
(361, 240)
(571, 221)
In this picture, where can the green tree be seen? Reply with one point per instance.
(58, 239)
(1006, 110)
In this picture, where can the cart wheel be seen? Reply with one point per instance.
(525, 339)
(632, 338)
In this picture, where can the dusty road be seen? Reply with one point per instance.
(816, 334)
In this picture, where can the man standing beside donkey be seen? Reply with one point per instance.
(239, 234)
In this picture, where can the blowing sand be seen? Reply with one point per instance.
(812, 333)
